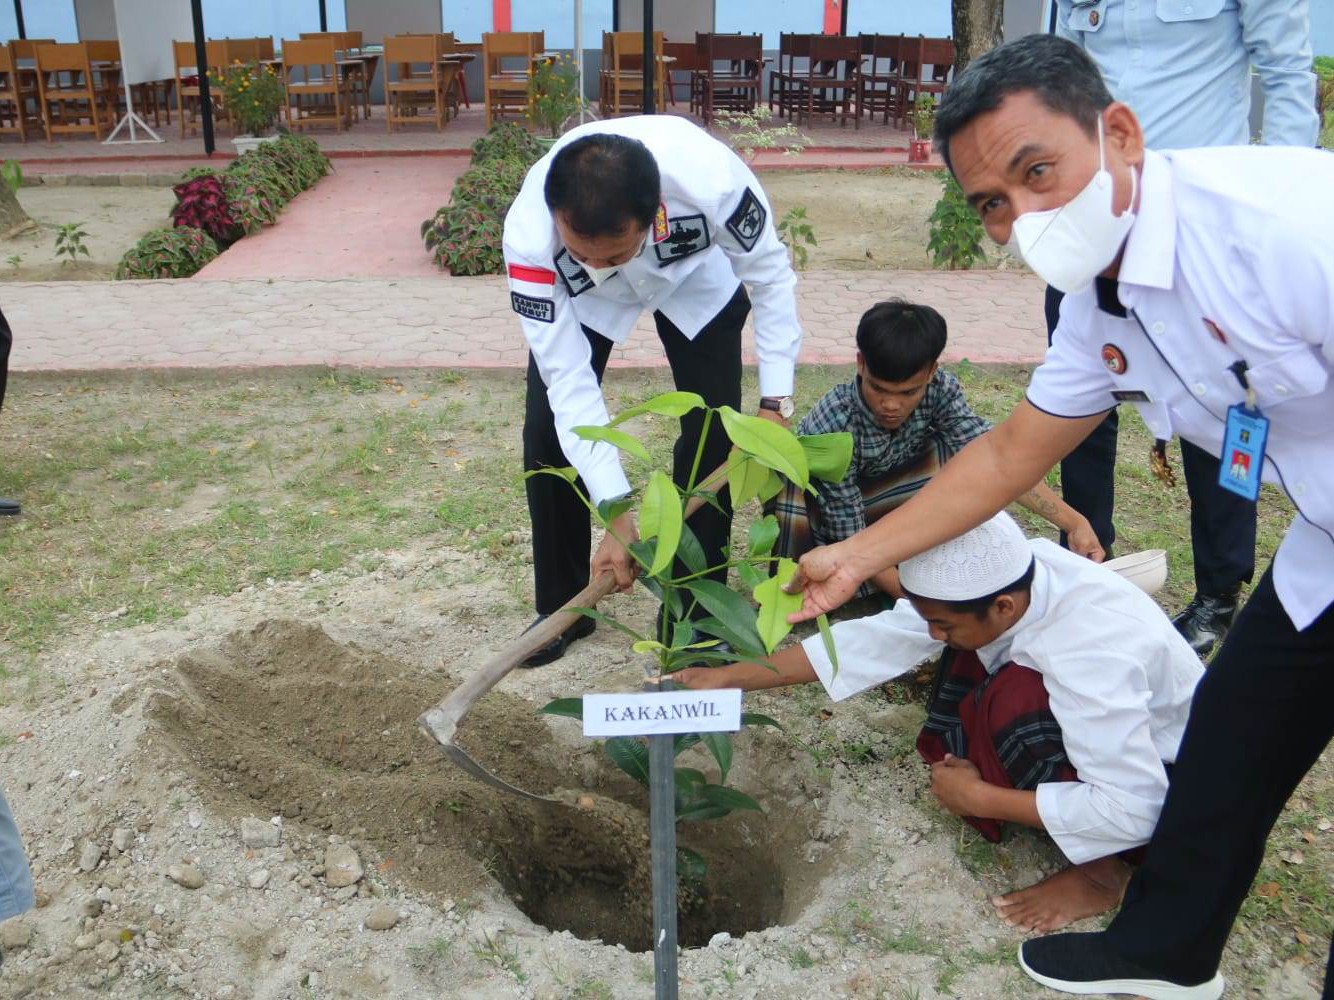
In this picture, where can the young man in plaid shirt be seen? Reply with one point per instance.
(907, 416)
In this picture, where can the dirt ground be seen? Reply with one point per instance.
(114, 219)
(232, 594)
(866, 219)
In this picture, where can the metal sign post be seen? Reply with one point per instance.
(579, 53)
(132, 119)
(650, 105)
(660, 714)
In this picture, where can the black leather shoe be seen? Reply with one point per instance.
(555, 649)
(1205, 620)
(9, 508)
(1085, 964)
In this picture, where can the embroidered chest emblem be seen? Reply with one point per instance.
(686, 235)
(1114, 359)
(572, 273)
(660, 224)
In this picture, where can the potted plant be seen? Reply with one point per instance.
(253, 95)
(763, 453)
(553, 96)
(923, 117)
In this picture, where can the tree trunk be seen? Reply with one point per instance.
(977, 28)
(13, 219)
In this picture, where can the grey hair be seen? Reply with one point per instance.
(1057, 71)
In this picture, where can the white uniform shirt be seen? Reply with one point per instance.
(1118, 675)
(1229, 259)
(718, 230)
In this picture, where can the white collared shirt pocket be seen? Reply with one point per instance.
(1087, 16)
(1189, 10)
(1294, 375)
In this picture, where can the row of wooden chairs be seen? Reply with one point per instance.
(847, 76)
(507, 66)
(423, 80)
(64, 88)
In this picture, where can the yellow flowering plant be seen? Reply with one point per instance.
(553, 93)
(252, 93)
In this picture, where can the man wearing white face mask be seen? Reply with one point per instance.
(1184, 67)
(1201, 290)
(653, 213)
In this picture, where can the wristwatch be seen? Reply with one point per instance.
(783, 405)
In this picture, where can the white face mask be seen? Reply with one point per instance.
(1070, 246)
(598, 275)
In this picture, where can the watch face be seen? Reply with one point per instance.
(786, 408)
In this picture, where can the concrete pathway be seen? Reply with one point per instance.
(360, 221)
(447, 322)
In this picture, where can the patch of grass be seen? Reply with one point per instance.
(591, 989)
(496, 950)
(799, 958)
(439, 953)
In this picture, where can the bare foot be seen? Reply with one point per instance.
(1078, 892)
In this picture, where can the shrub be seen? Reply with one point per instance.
(190, 173)
(956, 230)
(167, 253)
(507, 141)
(553, 93)
(201, 203)
(251, 92)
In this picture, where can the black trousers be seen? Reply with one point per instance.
(6, 342)
(1222, 524)
(709, 365)
(1260, 718)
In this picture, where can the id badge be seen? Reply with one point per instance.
(1243, 455)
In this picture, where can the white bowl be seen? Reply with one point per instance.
(1146, 570)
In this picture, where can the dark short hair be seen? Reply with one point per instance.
(1056, 70)
(979, 606)
(602, 182)
(898, 339)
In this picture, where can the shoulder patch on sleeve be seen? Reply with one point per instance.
(687, 234)
(746, 223)
(572, 273)
(531, 307)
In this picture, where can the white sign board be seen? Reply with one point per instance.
(658, 712)
(146, 29)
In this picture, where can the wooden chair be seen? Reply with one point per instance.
(507, 62)
(449, 46)
(794, 53)
(428, 82)
(918, 54)
(883, 56)
(13, 116)
(736, 85)
(685, 60)
(622, 80)
(322, 95)
(104, 57)
(67, 90)
(832, 83)
(187, 79)
(23, 55)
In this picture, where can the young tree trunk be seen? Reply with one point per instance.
(13, 219)
(977, 28)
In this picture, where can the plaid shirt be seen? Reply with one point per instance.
(943, 416)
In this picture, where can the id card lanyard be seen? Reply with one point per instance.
(1244, 434)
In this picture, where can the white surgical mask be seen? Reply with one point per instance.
(1070, 246)
(598, 275)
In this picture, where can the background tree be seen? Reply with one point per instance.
(977, 28)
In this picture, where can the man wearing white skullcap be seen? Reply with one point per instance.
(1059, 702)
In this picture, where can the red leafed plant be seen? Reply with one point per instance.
(202, 203)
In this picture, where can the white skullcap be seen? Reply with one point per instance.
(979, 562)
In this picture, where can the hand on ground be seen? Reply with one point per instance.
(1083, 541)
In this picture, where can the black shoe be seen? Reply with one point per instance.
(1085, 964)
(555, 649)
(1205, 620)
(9, 508)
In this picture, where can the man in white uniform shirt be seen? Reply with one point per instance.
(640, 213)
(1060, 705)
(1201, 289)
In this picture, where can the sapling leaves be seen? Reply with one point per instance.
(570, 708)
(568, 472)
(827, 637)
(690, 866)
(728, 798)
(745, 477)
(720, 745)
(660, 518)
(756, 719)
(617, 439)
(667, 404)
(630, 755)
(827, 455)
(763, 535)
(691, 552)
(776, 604)
(598, 616)
(730, 608)
(609, 510)
(771, 444)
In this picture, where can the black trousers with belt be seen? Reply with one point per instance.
(1222, 524)
(6, 341)
(709, 365)
(1260, 718)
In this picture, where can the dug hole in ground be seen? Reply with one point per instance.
(232, 806)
